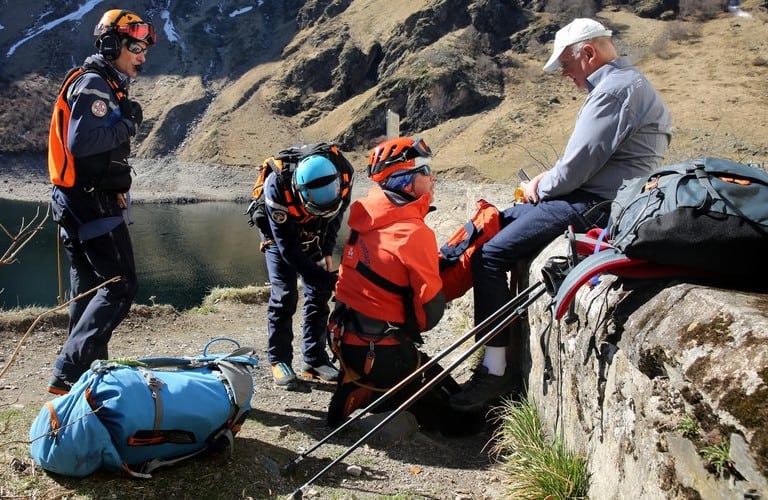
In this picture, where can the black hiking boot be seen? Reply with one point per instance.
(324, 372)
(58, 386)
(481, 390)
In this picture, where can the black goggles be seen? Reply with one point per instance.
(326, 212)
(135, 48)
(423, 170)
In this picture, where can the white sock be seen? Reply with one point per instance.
(495, 360)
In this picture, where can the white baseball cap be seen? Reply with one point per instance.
(578, 30)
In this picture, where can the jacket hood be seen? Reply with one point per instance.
(376, 211)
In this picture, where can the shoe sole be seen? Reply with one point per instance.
(317, 378)
(56, 390)
(287, 386)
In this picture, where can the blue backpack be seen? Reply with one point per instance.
(138, 415)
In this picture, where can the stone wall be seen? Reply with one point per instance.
(642, 356)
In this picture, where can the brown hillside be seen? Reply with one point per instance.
(713, 75)
(329, 71)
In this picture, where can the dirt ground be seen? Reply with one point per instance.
(396, 461)
(399, 460)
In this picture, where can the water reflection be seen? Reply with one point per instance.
(182, 251)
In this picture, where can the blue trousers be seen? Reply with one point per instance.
(93, 318)
(283, 300)
(526, 230)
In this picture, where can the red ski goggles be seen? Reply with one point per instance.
(143, 32)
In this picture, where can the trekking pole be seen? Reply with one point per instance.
(506, 321)
(416, 373)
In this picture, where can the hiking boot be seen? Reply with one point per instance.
(284, 376)
(324, 372)
(58, 387)
(481, 390)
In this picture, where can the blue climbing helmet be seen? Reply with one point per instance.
(317, 183)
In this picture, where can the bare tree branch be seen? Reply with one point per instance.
(39, 317)
(26, 232)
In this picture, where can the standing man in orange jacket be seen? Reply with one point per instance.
(88, 148)
(389, 291)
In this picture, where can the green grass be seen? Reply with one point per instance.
(245, 295)
(536, 466)
(718, 456)
(688, 426)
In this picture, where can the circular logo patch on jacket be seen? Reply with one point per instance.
(279, 216)
(99, 108)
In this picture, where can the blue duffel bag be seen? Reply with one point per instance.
(138, 415)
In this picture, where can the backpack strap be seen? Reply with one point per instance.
(234, 368)
(703, 178)
(156, 463)
(240, 381)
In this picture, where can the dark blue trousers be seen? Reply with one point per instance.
(526, 230)
(93, 317)
(283, 301)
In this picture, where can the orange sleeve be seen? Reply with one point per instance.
(419, 256)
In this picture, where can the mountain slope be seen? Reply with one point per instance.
(229, 83)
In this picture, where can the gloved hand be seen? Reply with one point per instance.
(131, 126)
(132, 110)
(331, 278)
(137, 115)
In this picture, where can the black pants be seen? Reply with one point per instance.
(93, 318)
(391, 365)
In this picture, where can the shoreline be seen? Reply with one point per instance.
(161, 180)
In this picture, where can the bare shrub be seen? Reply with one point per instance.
(473, 42)
(680, 31)
(702, 10)
(676, 31)
(20, 238)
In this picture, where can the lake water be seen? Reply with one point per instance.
(182, 252)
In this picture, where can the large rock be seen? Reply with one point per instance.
(640, 358)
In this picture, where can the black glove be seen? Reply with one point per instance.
(131, 126)
(331, 278)
(132, 110)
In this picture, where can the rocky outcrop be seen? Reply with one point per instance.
(296, 59)
(651, 374)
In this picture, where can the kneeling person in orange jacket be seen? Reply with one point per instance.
(389, 291)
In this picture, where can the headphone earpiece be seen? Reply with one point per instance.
(109, 45)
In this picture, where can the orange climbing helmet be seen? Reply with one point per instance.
(127, 25)
(393, 155)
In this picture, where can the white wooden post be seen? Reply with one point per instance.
(393, 124)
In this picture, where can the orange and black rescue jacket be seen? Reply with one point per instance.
(61, 162)
(393, 242)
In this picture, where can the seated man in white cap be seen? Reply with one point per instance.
(622, 131)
